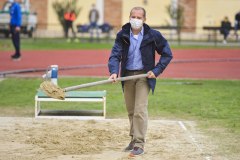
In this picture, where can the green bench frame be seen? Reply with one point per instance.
(72, 96)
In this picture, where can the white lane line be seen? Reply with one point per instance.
(182, 125)
(195, 142)
(208, 158)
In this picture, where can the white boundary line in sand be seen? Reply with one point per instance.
(195, 142)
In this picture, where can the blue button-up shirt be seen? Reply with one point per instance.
(16, 15)
(134, 61)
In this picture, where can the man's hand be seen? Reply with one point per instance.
(151, 74)
(114, 77)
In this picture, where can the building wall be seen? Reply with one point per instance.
(156, 11)
(211, 12)
(198, 13)
(2, 3)
(116, 12)
(53, 23)
(40, 8)
(113, 12)
(190, 7)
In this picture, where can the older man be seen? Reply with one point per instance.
(134, 49)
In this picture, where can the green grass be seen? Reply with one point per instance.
(53, 44)
(61, 44)
(214, 101)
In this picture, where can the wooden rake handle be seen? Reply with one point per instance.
(104, 82)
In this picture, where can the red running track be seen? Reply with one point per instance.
(187, 63)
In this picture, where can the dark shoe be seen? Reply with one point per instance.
(13, 55)
(130, 147)
(16, 57)
(137, 151)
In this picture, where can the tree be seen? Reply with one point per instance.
(63, 6)
(176, 14)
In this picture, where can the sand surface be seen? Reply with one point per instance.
(54, 139)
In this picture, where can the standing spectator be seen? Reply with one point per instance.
(134, 52)
(15, 27)
(93, 19)
(237, 24)
(225, 29)
(69, 18)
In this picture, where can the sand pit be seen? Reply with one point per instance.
(52, 139)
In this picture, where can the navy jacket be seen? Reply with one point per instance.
(152, 41)
(16, 15)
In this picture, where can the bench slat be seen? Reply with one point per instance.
(77, 94)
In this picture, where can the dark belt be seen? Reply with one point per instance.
(135, 70)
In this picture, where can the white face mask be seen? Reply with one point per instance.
(136, 23)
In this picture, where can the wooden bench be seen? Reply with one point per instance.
(72, 96)
(213, 31)
(104, 29)
(170, 28)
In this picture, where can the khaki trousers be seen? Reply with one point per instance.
(136, 99)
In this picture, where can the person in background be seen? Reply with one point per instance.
(134, 52)
(93, 19)
(69, 18)
(15, 28)
(225, 29)
(237, 24)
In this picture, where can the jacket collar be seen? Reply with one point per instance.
(146, 37)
